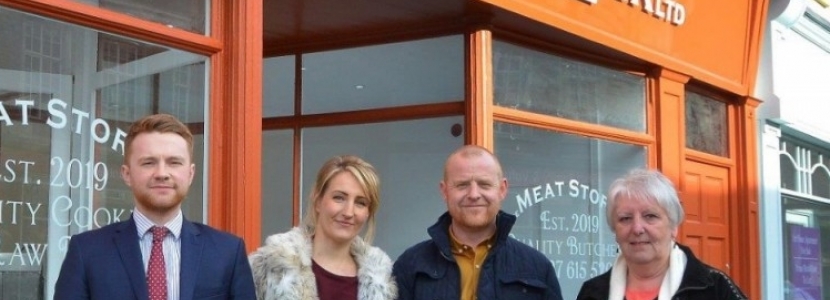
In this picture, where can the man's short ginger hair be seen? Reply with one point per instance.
(161, 123)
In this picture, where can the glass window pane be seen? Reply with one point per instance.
(408, 73)
(806, 248)
(821, 183)
(548, 84)
(788, 159)
(409, 158)
(805, 167)
(706, 124)
(278, 86)
(189, 15)
(67, 96)
(277, 181)
(557, 189)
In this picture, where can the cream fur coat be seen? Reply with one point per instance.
(282, 269)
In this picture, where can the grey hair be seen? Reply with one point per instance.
(645, 184)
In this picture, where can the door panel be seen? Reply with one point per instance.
(705, 197)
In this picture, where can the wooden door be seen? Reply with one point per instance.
(705, 197)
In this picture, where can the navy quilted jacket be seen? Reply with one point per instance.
(512, 270)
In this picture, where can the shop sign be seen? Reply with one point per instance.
(669, 11)
(805, 263)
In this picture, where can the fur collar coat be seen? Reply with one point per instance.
(282, 269)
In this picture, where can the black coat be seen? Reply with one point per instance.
(700, 282)
(512, 270)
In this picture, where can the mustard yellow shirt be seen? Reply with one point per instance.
(469, 261)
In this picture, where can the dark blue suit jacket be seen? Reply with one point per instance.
(106, 264)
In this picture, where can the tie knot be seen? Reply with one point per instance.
(158, 233)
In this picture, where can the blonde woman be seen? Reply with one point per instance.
(326, 258)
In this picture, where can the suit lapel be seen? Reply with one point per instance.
(126, 240)
(191, 258)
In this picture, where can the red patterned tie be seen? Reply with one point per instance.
(156, 274)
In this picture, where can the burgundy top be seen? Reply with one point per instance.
(333, 287)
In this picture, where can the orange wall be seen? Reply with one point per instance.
(716, 43)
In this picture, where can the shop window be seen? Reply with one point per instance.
(820, 177)
(67, 95)
(189, 15)
(806, 236)
(544, 83)
(399, 74)
(276, 212)
(789, 166)
(409, 157)
(805, 205)
(557, 189)
(706, 124)
(805, 168)
(821, 183)
(278, 86)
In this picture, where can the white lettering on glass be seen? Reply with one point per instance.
(58, 118)
(547, 191)
(67, 174)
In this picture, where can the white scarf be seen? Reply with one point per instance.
(671, 282)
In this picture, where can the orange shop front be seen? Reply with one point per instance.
(570, 94)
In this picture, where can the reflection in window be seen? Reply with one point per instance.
(189, 15)
(67, 94)
(557, 189)
(706, 124)
(539, 82)
(115, 53)
(41, 48)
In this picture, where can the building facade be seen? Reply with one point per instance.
(795, 146)
(569, 94)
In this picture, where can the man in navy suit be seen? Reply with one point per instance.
(200, 262)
